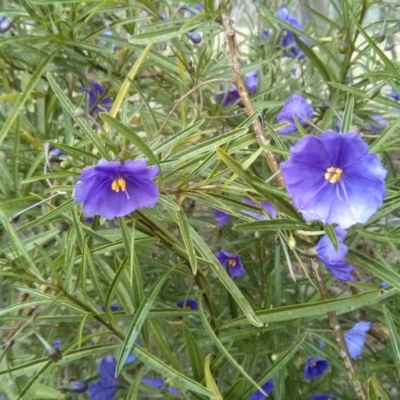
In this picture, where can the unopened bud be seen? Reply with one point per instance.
(373, 92)
(66, 164)
(274, 357)
(291, 242)
(343, 47)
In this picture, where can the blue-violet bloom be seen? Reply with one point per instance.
(231, 96)
(322, 397)
(195, 37)
(55, 154)
(113, 189)
(106, 387)
(380, 123)
(266, 33)
(221, 217)
(315, 367)
(355, 338)
(79, 386)
(97, 101)
(113, 308)
(394, 95)
(5, 24)
(268, 207)
(268, 387)
(158, 383)
(298, 107)
(288, 41)
(57, 344)
(188, 303)
(233, 261)
(333, 178)
(334, 259)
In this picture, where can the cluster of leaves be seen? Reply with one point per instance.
(60, 271)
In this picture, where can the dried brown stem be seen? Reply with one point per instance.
(235, 65)
(337, 333)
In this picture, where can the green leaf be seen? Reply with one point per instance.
(130, 135)
(138, 321)
(210, 382)
(272, 225)
(394, 337)
(348, 114)
(330, 231)
(193, 351)
(378, 144)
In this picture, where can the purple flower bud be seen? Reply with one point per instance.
(5, 24)
(266, 33)
(79, 386)
(195, 37)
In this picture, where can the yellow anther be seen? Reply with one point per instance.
(118, 184)
(333, 174)
(122, 183)
(115, 186)
(232, 262)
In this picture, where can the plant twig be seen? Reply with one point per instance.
(338, 333)
(234, 61)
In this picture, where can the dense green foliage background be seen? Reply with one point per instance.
(57, 269)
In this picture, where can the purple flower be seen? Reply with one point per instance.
(298, 107)
(79, 386)
(221, 217)
(163, 16)
(230, 96)
(334, 259)
(266, 33)
(233, 261)
(55, 154)
(355, 338)
(113, 308)
(333, 179)
(57, 344)
(159, 384)
(268, 387)
(195, 37)
(112, 189)
(381, 123)
(96, 97)
(106, 387)
(288, 42)
(322, 397)
(5, 24)
(321, 343)
(188, 303)
(269, 208)
(315, 367)
(394, 95)
(383, 284)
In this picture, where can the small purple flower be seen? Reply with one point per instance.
(321, 343)
(381, 123)
(55, 154)
(298, 107)
(383, 284)
(268, 207)
(163, 16)
(221, 217)
(231, 96)
(113, 308)
(268, 387)
(233, 261)
(394, 95)
(97, 101)
(79, 386)
(334, 259)
(333, 178)
(57, 344)
(355, 338)
(160, 384)
(195, 37)
(5, 24)
(112, 189)
(315, 367)
(106, 387)
(266, 33)
(322, 397)
(188, 303)
(288, 42)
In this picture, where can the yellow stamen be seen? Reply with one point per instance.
(333, 174)
(118, 184)
(232, 262)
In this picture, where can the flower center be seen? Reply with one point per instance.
(314, 364)
(118, 184)
(333, 174)
(232, 262)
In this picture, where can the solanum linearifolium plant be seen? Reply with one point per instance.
(199, 200)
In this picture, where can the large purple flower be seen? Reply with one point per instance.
(112, 189)
(233, 261)
(298, 107)
(288, 42)
(106, 387)
(230, 96)
(268, 387)
(315, 367)
(334, 259)
(268, 207)
(355, 338)
(97, 101)
(334, 179)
